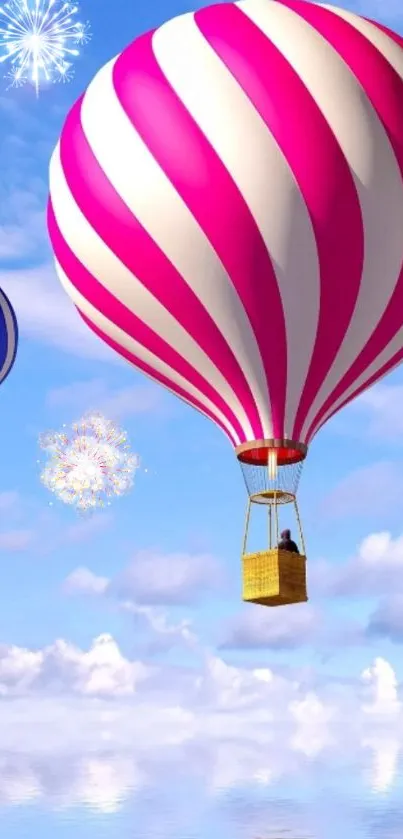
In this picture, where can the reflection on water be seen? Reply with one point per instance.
(233, 790)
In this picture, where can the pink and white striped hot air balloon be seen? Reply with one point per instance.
(226, 212)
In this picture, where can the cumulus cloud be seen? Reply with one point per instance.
(371, 490)
(382, 405)
(382, 688)
(17, 532)
(26, 525)
(379, 411)
(312, 717)
(86, 529)
(67, 673)
(93, 726)
(116, 403)
(23, 234)
(64, 668)
(16, 541)
(387, 619)
(280, 629)
(47, 315)
(43, 309)
(41, 530)
(153, 578)
(22, 223)
(84, 581)
(100, 714)
(155, 632)
(158, 631)
(26, 143)
(157, 578)
(375, 570)
(9, 501)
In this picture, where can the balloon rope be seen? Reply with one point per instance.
(299, 526)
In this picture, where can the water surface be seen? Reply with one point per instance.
(233, 790)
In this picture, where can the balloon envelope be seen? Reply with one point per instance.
(226, 211)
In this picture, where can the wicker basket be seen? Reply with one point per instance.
(274, 578)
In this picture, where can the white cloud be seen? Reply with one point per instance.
(15, 541)
(383, 405)
(155, 632)
(375, 570)
(22, 224)
(156, 578)
(18, 534)
(383, 688)
(115, 403)
(42, 530)
(26, 143)
(376, 415)
(312, 717)
(44, 311)
(370, 490)
(84, 581)
(27, 525)
(153, 578)
(86, 529)
(108, 720)
(70, 674)
(284, 628)
(9, 500)
(387, 619)
(160, 632)
(93, 727)
(64, 668)
(23, 233)
(46, 314)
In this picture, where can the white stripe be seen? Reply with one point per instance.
(258, 167)
(132, 346)
(386, 45)
(101, 262)
(11, 335)
(371, 159)
(392, 348)
(143, 186)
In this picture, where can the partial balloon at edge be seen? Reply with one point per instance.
(8, 336)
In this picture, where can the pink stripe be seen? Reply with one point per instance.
(384, 89)
(149, 371)
(386, 368)
(199, 176)
(125, 319)
(322, 174)
(127, 239)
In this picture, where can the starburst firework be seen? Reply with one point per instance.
(89, 463)
(40, 39)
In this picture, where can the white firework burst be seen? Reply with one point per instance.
(89, 463)
(40, 40)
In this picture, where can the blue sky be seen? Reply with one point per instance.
(158, 575)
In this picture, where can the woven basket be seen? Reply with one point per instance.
(274, 577)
